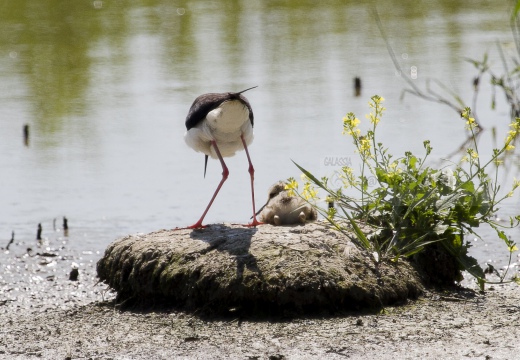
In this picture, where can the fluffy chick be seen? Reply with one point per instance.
(282, 209)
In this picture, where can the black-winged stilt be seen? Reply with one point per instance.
(219, 124)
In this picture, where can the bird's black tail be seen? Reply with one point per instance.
(205, 165)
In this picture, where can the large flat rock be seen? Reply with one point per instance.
(310, 268)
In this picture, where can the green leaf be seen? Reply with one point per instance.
(468, 186)
(448, 202)
(418, 202)
(359, 233)
(412, 161)
(502, 235)
(481, 283)
(516, 10)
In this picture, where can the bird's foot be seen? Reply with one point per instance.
(197, 225)
(254, 223)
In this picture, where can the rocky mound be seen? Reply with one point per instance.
(310, 268)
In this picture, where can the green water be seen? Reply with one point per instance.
(105, 87)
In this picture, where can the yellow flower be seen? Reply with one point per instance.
(512, 134)
(472, 153)
(348, 171)
(471, 124)
(309, 192)
(291, 186)
(350, 123)
(375, 101)
(516, 183)
(516, 124)
(373, 119)
(364, 145)
(353, 132)
(331, 212)
(513, 248)
(347, 176)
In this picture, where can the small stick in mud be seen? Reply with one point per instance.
(65, 226)
(10, 241)
(39, 232)
(74, 273)
(357, 86)
(26, 135)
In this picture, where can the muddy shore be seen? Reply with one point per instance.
(44, 315)
(268, 270)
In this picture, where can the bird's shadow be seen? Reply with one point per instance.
(235, 241)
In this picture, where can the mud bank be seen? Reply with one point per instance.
(55, 318)
(304, 269)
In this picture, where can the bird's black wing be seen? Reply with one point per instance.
(207, 102)
(246, 103)
(202, 106)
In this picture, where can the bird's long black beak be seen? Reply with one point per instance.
(205, 165)
(240, 92)
(260, 210)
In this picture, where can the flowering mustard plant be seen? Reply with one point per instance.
(414, 206)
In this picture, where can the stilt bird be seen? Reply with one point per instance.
(218, 125)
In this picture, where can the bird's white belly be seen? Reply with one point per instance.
(225, 125)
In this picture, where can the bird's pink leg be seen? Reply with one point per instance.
(225, 173)
(252, 174)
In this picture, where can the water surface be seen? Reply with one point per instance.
(105, 88)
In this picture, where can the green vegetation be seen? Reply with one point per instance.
(413, 206)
